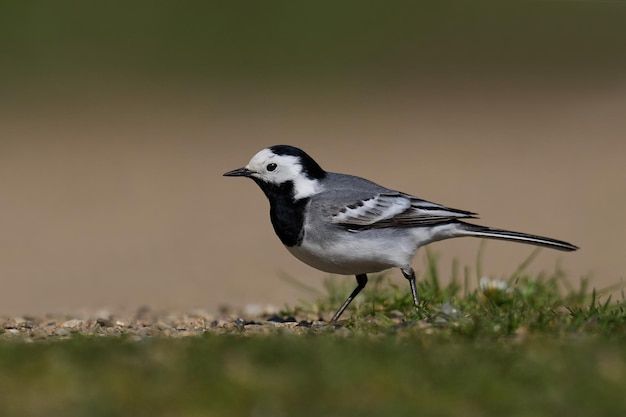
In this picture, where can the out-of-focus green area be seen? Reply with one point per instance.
(286, 40)
(313, 376)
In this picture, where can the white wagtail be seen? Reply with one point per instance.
(348, 225)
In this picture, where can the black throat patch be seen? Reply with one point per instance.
(286, 214)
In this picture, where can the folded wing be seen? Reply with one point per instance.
(395, 210)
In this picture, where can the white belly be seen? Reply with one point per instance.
(355, 256)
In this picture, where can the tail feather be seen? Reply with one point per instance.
(490, 233)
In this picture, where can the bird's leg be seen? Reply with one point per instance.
(361, 280)
(410, 275)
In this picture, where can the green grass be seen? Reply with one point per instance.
(314, 375)
(536, 347)
(522, 304)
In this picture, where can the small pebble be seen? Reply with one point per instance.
(61, 331)
(104, 322)
(73, 324)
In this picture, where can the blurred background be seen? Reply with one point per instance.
(118, 119)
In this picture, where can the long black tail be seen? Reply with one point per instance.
(490, 233)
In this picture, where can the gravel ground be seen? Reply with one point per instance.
(145, 323)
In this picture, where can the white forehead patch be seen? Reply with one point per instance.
(288, 168)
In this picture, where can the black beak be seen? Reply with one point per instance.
(239, 172)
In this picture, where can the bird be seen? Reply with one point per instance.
(348, 225)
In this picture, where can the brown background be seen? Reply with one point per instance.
(114, 204)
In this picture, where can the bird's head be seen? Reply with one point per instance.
(283, 166)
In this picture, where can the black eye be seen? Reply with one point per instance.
(271, 167)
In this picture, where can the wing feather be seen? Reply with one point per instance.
(395, 210)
